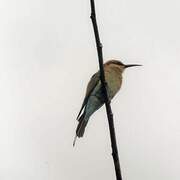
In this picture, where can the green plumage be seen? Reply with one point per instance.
(94, 98)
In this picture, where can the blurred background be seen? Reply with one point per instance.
(47, 56)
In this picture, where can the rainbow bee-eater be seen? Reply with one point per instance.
(94, 97)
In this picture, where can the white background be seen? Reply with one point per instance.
(47, 55)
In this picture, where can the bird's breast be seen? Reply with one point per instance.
(114, 81)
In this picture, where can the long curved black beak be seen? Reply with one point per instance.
(132, 65)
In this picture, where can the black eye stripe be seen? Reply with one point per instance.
(115, 62)
(118, 63)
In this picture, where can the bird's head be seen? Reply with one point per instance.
(119, 65)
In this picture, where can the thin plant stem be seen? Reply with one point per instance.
(104, 90)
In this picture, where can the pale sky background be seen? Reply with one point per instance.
(47, 56)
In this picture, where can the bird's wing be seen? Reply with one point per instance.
(90, 87)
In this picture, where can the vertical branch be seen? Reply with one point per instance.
(104, 90)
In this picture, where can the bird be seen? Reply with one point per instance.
(94, 98)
